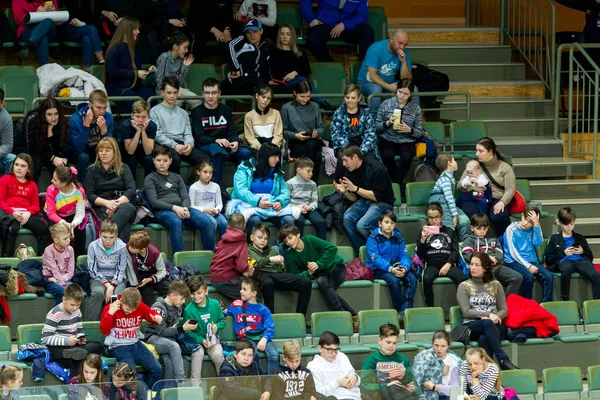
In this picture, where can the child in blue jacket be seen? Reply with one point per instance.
(389, 260)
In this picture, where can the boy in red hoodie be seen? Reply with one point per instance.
(230, 262)
(121, 321)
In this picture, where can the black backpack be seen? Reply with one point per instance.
(428, 80)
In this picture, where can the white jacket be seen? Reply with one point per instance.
(327, 373)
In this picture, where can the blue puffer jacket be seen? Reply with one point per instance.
(354, 12)
(383, 252)
(242, 181)
(340, 130)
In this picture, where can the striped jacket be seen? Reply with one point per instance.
(411, 116)
(59, 325)
(445, 185)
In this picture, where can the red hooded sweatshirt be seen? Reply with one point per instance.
(125, 328)
(231, 256)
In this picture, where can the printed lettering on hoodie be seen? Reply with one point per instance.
(294, 382)
(211, 122)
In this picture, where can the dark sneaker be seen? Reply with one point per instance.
(75, 353)
(507, 365)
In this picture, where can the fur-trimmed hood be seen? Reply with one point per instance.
(12, 285)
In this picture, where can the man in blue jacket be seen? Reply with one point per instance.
(87, 126)
(338, 20)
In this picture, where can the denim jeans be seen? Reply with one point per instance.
(170, 353)
(82, 161)
(543, 275)
(400, 301)
(317, 220)
(277, 221)
(55, 289)
(205, 223)
(6, 163)
(242, 153)
(271, 353)
(137, 353)
(40, 35)
(361, 218)
(90, 41)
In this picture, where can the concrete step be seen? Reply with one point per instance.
(499, 107)
(481, 72)
(460, 53)
(565, 189)
(541, 167)
(517, 88)
(589, 227)
(499, 127)
(594, 245)
(453, 35)
(584, 207)
(527, 146)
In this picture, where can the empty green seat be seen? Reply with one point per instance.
(562, 382)
(524, 381)
(347, 253)
(437, 132)
(329, 78)
(567, 314)
(197, 74)
(593, 380)
(19, 84)
(355, 67)
(467, 133)
(324, 191)
(199, 258)
(591, 315)
(379, 22)
(30, 333)
(417, 197)
(420, 323)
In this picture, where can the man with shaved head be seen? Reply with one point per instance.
(383, 61)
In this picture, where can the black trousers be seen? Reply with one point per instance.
(319, 35)
(585, 269)
(490, 336)
(141, 158)
(388, 151)
(147, 291)
(36, 224)
(230, 289)
(240, 86)
(193, 159)
(78, 241)
(328, 282)
(284, 281)
(123, 217)
(431, 273)
(56, 354)
(311, 149)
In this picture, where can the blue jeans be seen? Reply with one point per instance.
(361, 218)
(6, 163)
(40, 35)
(317, 220)
(242, 153)
(90, 41)
(401, 302)
(82, 161)
(205, 223)
(55, 289)
(271, 353)
(292, 82)
(369, 88)
(137, 353)
(543, 275)
(277, 221)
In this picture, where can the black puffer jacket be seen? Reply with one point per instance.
(241, 383)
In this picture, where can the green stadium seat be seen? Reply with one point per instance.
(31, 333)
(198, 73)
(97, 71)
(593, 380)
(19, 84)
(524, 381)
(36, 397)
(12, 261)
(591, 315)
(199, 258)
(25, 69)
(228, 333)
(329, 78)
(291, 15)
(324, 191)
(291, 326)
(562, 383)
(437, 132)
(524, 188)
(455, 317)
(421, 323)
(5, 342)
(339, 322)
(369, 322)
(355, 67)
(379, 22)
(567, 314)
(397, 197)
(183, 393)
(417, 197)
(466, 133)
(347, 253)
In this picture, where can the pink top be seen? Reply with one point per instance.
(60, 205)
(21, 8)
(58, 264)
(15, 194)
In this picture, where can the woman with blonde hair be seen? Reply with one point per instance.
(482, 376)
(110, 187)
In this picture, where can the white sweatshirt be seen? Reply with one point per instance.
(266, 10)
(327, 373)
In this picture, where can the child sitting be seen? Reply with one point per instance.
(11, 379)
(89, 382)
(303, 194)
(268, 269)
(205, 195)
(568, 252)
(63, 332)
(208, 314)
(520, 240)
(443, 193)
(149, 267)
(253, 321)
(474, 177)
(294, 381)
(58, 262)
(121, 322)
(163, 336)
(386, 371)
(230, 261)
(124, 384)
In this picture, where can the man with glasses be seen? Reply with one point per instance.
(214, 130)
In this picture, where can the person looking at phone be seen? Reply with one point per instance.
(63, 332)
(568, 251)
(437, 246)
(148, 266)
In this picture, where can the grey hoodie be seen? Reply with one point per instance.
(170, 325)
(104, 267)
(473, 244)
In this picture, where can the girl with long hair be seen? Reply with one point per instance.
(436, 369)
(90, 381)
(482, 376)
(263, 124)
(176, 62)
(11, 379)
(205, 196)
(124, 384)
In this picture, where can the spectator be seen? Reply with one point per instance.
(107, 260)
(399, 137)
(89, 381)
(476, 178)
(352, 123)
(263, 124)
(293, 381)
(86, 33)
(268, 268)
(333, 373)
(260, 190)
(63, 332)
(34, 35)
(20, 206)
(481, 376)
(205, 196)
(46, 133)
(383, 62)
(264, 11)
(366, 184)
(173, 127)
(435, 379)
(169, 18)
(65, 204)
(303, 126)
(568, 252)
(149, 267)
(58, 262)
(125, 384)
(388, 259)
(170, 201)
(478, 242)
(520, 240)
(213, 124)
(209, 315)
(90, 123)
(303, 194)
(210, 21)
(123, 73)
(139, 135)
(437, 247)
(111, 187)
(6, 138)
(121, 321)
(248, 68)
(338, 21)
(483, 305)
(11, 379)
(501, 176)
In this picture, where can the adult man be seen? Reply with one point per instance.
(369, 186)
(90, 123)
(248, 60)
(6, 138)
(337, 19)
(383, 61)
(214, 129)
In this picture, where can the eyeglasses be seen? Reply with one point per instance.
(210, 94)
(330, 350)
(434, 218)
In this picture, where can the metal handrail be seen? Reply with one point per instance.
(153, 100)
(115, 99)
(17, 100)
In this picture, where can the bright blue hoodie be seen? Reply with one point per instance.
(79, 136)
(258, 322)
(354, 12)
(382, 252)
(519, 244)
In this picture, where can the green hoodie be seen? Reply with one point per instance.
(261, 259)
(317, 250)
(211, 312)
(376, 367)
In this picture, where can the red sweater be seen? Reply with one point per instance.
(231, 256)
(22, 7)
(124, 329)
(15, 194)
